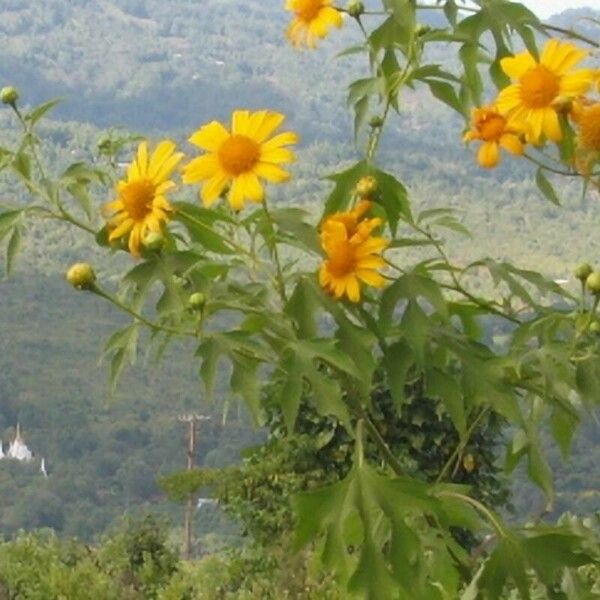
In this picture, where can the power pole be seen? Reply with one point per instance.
(191, 419)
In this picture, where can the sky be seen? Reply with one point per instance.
(545, 8)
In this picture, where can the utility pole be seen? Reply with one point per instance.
(191, 419)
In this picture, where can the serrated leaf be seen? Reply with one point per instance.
(410, 287)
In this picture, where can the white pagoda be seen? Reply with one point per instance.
(18, 449)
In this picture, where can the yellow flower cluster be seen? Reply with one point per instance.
(528, 110)
(352, 253)
(234, 164)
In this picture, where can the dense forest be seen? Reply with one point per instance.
(197, 61)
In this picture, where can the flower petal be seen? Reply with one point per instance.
(210, 137)
(512, 144)
(213, 188)
(516, 66)
(271, 172)
(488, 155)
(200, 168)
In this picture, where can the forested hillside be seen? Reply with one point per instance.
(197, 61)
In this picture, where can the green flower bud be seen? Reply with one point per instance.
(9, 95)
(595, 327)
(592, 283)
(154, 241)
(422, 29)
(583, 271)
(469, 463)
(367, 187)
(81, 276)
(355, 8)
(197, 301)
(376, 122)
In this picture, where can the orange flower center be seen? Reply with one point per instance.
(137, 196)
(342, 261)
(492, 127)
(539, 87)
(308, 10)
(239, 154)
(589, 127)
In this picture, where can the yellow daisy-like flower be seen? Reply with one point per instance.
(141, 205)
(352, 253)
(586, 116)
(542, 86)
(240, 157)
(312, 20)
(495, 131)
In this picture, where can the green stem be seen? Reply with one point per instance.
(477, 505)
(382, 445)
(155, 326)
(461, 445)
(275, 253)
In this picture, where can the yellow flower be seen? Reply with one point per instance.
(240, 157)
(540, 86)
(586, 116)
(495, 131)
(312, 20)
(141, 205)
(352, 253)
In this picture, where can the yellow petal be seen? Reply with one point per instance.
(135, 239)
(511, 143)
(213, 188)
(162, 152)
(113, 206)
(576, 84)
(509, 99)
(237, 194)
(332, 16)
(353, 289)
(142, 157)
(271, 172)
(282, 139)
(535, 118)
(268, 124)
(560, 57)
(488, 155)
(210, 137)
(370, 277)
(200, 168)
(277, 156)
(240, 122)
(162, 172)
(516, 66)
(551, 125)
(250, 187)
(121, 230)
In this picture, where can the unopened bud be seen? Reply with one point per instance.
(583, 271)
(422, 29)
(197, 300)
(376, 122)
(592, 283)
(468, 463)
(367, 187)
(9, 95)
(595, 327)
(81, 276)
(355, 8)
(154, 241)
